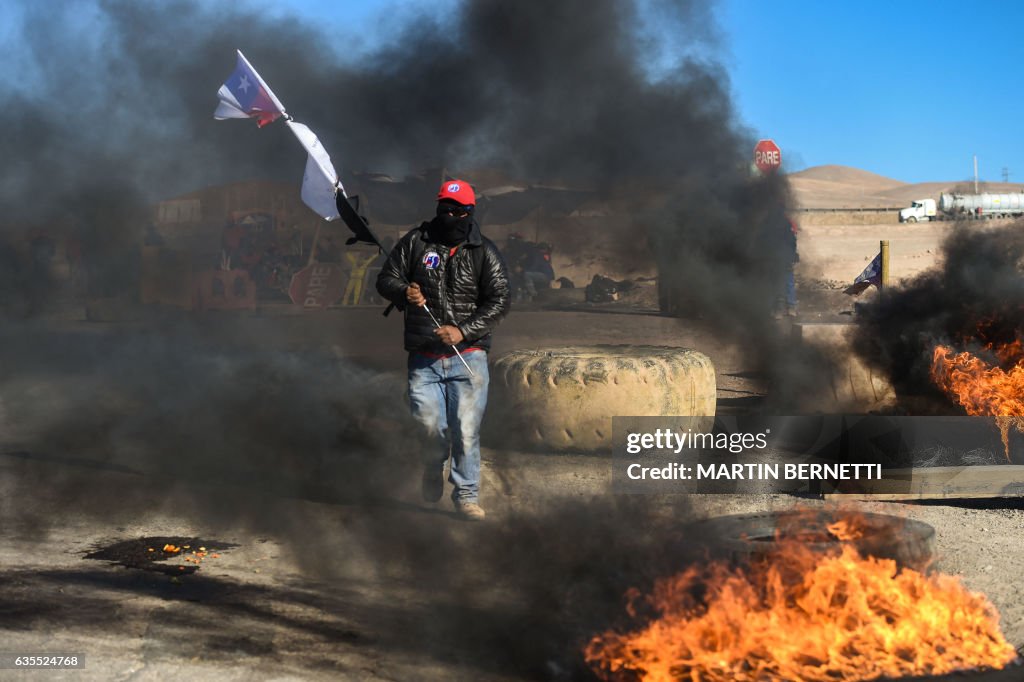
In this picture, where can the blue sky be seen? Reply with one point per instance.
(910, 90)
(907, 89)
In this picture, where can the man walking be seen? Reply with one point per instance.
(448, 269)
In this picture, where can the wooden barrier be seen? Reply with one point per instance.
(848, 216)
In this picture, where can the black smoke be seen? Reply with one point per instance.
(973, 300)
(115, 110)
(122, 93)
(112, 111)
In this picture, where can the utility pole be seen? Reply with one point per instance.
(975, 173)
(1006, 174)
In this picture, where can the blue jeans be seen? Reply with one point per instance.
(787, 291)
(533, 281)
(450, 404)
(790, 289)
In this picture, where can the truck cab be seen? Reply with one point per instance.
(919, 210)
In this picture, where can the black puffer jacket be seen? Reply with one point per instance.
(456, 293)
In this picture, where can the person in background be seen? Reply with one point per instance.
(537, 271)
(790, 276)
(789, 257)
(515, 253)
(775, 249)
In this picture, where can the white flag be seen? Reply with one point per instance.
(320, 179)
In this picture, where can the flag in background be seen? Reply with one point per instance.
(245, 95)
(872, 275)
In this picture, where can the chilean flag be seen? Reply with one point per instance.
(872, 275)
(245, 95)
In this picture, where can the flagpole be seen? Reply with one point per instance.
(312, 248)
(453, 347)
(883, 247)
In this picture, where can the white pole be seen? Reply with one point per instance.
(454, 348)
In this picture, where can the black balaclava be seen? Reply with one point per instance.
(448, 229)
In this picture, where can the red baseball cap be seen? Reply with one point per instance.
(458, 191)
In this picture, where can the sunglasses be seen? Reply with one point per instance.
(449, 209)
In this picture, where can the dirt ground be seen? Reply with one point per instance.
(313, 583)
(836, 254)
(265, 610)
(351, 606)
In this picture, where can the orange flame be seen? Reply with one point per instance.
(983, 389)
(802, 615)
(979, 387)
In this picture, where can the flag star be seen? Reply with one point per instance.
(244, 84)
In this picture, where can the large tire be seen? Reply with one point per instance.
(563, 399)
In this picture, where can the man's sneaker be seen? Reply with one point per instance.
(471, 511)
(432, 484)
(791, 311)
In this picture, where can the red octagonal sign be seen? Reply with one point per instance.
(767, 156)
(316, 286)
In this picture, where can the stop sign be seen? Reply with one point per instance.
(767, 156)
(316, 286)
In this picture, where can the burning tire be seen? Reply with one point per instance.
(909, 543)
(563, 399)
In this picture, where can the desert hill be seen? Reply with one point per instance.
(836, 186)
(905, 194)
(846, 175)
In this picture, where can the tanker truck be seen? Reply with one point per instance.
(965, 206)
